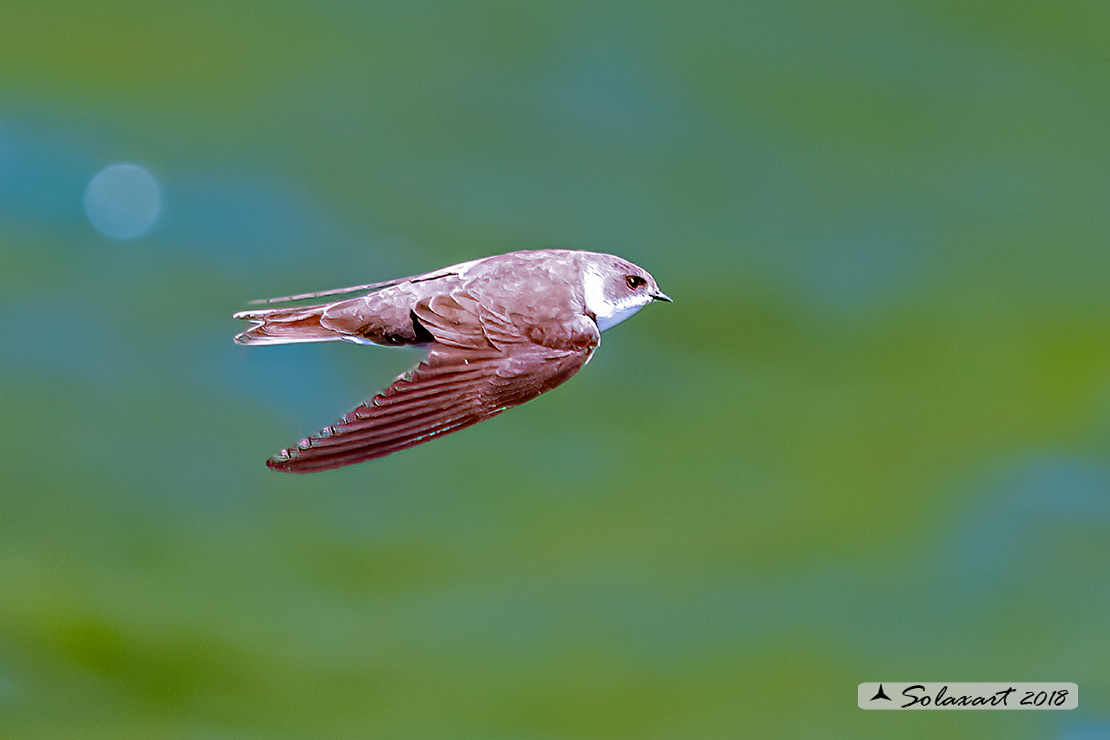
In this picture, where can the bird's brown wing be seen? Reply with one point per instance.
(475, 370)
(450, 390)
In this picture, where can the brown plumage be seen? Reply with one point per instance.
(499, 331)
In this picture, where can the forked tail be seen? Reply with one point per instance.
(285, 326)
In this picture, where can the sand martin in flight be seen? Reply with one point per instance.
(499, 331)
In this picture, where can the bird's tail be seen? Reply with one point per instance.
(286, 326)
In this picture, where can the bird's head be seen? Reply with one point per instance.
(614, 289)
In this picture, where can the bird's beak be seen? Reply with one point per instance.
(661, 296)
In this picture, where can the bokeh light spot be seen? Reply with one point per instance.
(123, 201)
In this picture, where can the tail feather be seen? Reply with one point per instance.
(285, 326)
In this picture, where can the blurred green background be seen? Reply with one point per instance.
(869, 441)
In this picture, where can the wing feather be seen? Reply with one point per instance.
(452, 389)
(478, 365)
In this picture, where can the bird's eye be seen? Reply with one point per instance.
(635, 281)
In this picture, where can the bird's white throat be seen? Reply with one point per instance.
(606, 311)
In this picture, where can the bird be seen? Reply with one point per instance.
(499, 331)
